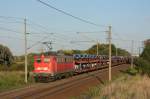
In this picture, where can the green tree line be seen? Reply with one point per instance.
(103, 49)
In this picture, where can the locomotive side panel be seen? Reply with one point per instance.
(64, 64)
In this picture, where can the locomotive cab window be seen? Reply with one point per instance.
(46, 60)
(65, 59)
(38, 60)
(59, 59)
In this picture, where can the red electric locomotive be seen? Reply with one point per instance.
(52, 67)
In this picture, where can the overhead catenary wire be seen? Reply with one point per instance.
(43, 29)
(127, 40)
(46, 29)
(82, 41)
(10, 17)
(15, 20)
(119, 37)
(86, 36)
(10, 30)
(91, 31)
(17, 32)
(68, 14)
(54, 35)
(32, 23)
(38, 42)
(15, 38)
(19, 22)
(57, 36)
(11, 37)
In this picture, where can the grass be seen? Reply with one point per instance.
(12, 79)
(126, 86)
(132, 87)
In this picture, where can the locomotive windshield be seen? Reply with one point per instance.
(38, 60)
(46, 60)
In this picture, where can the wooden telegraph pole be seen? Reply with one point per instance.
(116, 51)
(97, 48)
(109, 37)
(132, 48)
(25, 45)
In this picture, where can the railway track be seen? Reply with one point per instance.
(52, 89)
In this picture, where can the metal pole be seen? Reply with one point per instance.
(97, 48)
(139, 51)
(132, 53)
(140, 47)
(25, 45)
(109, 37)
(116, 51)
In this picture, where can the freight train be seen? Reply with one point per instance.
(53, 67)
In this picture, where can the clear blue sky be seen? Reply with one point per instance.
(130, 19)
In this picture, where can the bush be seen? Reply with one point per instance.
(143, 66)
(124, 87)
(6, 56)
(13, 79)
(132, 71)
(16, 67)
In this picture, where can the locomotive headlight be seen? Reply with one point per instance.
(42, 68)
(45, 68)
(39, 68)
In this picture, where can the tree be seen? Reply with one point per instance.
(146, 53)
(6, 56)
(104, 50)
(71, 52)
(143, 62)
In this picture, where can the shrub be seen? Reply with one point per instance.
(12, 79)
(132, 71)
(6, 56)
(143, 66)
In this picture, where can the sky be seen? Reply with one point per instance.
(130, 20)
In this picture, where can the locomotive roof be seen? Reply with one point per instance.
(54, 55)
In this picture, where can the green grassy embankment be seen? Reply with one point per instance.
(126, 86)
(12, 79)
